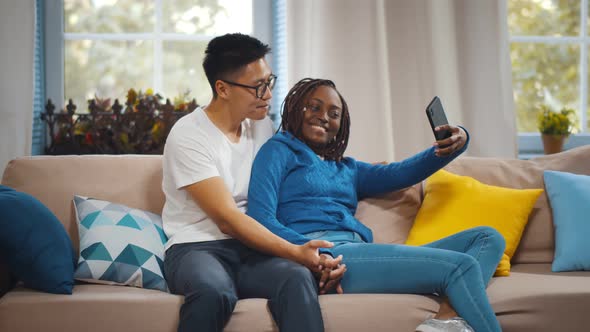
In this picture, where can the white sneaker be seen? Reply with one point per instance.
(455, 324)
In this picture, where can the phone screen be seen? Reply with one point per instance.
(436, 117)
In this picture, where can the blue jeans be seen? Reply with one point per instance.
(459, 267)
(213, 275)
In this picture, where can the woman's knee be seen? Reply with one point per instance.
(465, 263)
(495, 238)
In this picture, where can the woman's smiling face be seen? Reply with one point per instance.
(322, 117)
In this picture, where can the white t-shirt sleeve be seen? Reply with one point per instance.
(263, 131)
(189, 160)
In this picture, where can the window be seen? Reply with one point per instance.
(549, 54)
(106, 47)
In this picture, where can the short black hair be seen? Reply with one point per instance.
(225, 55)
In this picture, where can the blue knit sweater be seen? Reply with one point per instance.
(293, 192)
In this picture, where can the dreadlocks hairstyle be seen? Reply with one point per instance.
(227, 54)
(292, 116)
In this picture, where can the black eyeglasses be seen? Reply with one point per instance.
(260, 88)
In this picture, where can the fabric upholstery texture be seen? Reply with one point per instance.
(391, 216)
(532, 298)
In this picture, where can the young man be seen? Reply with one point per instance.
(207, 161)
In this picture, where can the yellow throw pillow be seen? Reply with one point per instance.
(453, 203)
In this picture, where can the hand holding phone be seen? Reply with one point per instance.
(436, 117)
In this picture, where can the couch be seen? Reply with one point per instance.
(532, 298)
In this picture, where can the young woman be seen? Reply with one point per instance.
(302, 188)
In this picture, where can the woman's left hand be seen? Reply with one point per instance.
(448, 146)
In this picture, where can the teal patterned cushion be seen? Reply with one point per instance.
(119, 245)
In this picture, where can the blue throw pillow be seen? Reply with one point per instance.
(35, 244)
(569, 196)
(119, 245)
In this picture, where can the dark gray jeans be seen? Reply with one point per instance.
(213, 275)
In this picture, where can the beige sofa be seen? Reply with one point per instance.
(532, 298)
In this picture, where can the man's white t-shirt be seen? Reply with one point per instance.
(196, 150)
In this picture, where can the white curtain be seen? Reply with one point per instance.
(17, 22)
(390, 57)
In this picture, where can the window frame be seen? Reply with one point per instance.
(55, 42)
(530, 144)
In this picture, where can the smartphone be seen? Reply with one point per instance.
(436, 117)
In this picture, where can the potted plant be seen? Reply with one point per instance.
(139, 127)
(555, 127)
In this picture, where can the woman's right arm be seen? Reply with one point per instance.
(268, 171)
(270, 167)
(378, 179)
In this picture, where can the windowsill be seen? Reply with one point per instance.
(531, 146)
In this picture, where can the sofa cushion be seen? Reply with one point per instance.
(569, 196)
(119, 245)
(34, 243)
(132, 180)
(453, 203)
(90, 308)
(533, 298)
(124, 309)
(391, 216)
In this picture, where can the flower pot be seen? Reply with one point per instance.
(553, 143)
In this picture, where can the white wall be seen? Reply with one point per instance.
(17, 20)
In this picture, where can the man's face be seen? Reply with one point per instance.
(244, 99)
